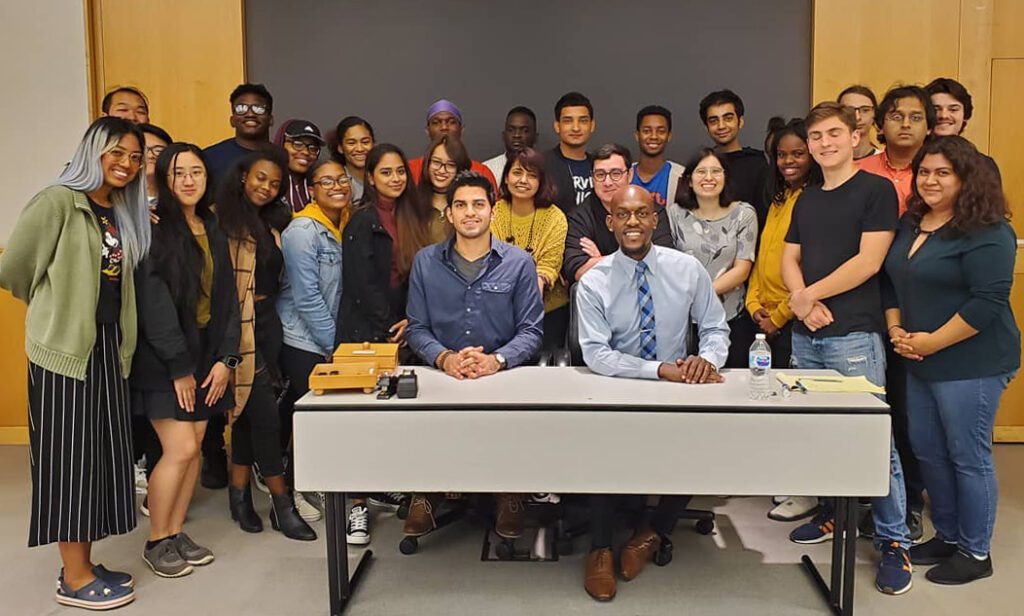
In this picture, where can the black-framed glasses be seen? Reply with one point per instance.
(615, 174)
(244, 108)
(155, 150)
(437, 164)
(624, 215)
(327, 182)
(301, 146)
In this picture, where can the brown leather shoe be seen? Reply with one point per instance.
(509, 523)
(600, 577)
(420, 519)
(638, 552)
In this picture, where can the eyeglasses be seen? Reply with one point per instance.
(706, 172)
(195, 174)
(301, 146)
(615, 174)
(899, 117)
(624, 215)
(244, 108)
(327, 182)
(135, 158)
(437, 164)
(863, 110)
(155, 150)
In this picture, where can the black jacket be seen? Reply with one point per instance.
(169, 347)
(589, 219)
(558, 172)
(369, 306)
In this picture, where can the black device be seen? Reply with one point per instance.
(387, 385)
(408, 384)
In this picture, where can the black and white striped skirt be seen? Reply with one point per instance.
(81, 449)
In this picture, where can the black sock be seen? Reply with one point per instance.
(152, 544)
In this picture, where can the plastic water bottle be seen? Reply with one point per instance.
(760, 358)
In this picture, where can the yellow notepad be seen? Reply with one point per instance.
(829, 384)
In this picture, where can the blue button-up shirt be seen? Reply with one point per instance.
(609, 313)
(501, 310)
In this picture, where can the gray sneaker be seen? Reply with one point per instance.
(192, 552)
(165, 560)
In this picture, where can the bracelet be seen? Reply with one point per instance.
(439, 362)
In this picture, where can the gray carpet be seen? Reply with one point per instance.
(746, 567)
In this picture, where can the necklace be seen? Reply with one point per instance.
(511, 239)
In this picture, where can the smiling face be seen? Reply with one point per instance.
(522, 183)
(130, 106)
(723, 124)
(262, 182)
(332, 188)
(389, 177)
(937, 182)
(793, 160)
(653, 135)
(355, 144)
(249, 124)
(831, 142)
(949, 114)
(122, 162)
(610, 176)
(470, 212)
(187, 178)
(632, 219)
(708, 178)
(441, 169)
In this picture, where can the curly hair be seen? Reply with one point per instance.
(981, 201)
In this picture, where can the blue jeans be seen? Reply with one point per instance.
(862, 354)
(951, 433)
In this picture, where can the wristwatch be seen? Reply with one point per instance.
(502, 362)
(231, 361)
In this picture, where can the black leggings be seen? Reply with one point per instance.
(296, 366)
(255, 435)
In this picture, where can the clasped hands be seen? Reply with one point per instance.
(914, 346)
(693, 369)
(470, 363)
(814, 314)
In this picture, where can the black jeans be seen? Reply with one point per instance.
(296, 366)
(556, 324)
(255, 435)
(896, 397)
(602, 517)
(741, 335)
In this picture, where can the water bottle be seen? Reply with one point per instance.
(760, 358)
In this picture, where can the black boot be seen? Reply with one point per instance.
(285, 518)
(242, 511)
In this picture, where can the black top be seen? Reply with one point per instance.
(589, 219)
(169, 343)
(108, 307)
(219, 158)
(748, 175)
(969, 275)
(269, 264)
(369, 305)
(559, 171)
(828, 225)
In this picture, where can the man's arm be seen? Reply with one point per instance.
(528, 309)
(418, 334)
(707, 312)
(595, 335)
(575, 262)
(874, 245)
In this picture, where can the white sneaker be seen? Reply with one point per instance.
(144, 506)
(778, 500)
(306, 510)
(141, 483)
(794, 508)
(358, 530)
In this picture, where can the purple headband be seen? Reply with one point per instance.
(444, 105)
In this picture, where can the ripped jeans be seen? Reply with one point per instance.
(857, 354)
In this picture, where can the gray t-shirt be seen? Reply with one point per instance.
(717, 243)
(469, 269)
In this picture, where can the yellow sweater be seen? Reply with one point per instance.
(546, 244)
(766, 288)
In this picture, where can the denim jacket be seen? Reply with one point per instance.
(311, 287)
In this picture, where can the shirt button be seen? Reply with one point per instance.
(469, 310)
(467, 332)
(469, 288)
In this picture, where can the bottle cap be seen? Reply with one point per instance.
(759, 337)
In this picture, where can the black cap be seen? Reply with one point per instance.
(302, 128)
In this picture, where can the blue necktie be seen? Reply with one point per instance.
(648, 341)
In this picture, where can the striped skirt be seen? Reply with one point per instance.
(81, 449)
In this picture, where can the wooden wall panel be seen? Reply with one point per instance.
(1007, 28)
(186, 55)
(1007, 133)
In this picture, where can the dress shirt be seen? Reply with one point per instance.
(501, 310)
(609, 315)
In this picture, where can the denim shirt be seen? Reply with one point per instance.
(501, 310)
(310, 287)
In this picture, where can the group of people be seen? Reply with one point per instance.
(221, 276)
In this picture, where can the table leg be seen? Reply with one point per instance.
(340, 587)
(850, 555)
(838, 595)
(838, 548)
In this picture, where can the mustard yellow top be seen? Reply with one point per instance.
(205, 281)
(542, 234)
(766, 288)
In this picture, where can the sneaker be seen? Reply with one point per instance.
(818, 530)
(306, 510)
(141, 483)
(932, 552)
(392, 501)
(778, 500)
(144, 506)
(358, 529)
(114, 578)
(915, 524)
(794, 508)
(257, 477)
(960, 568)
(192, 553)
(165, 561)
(96, 595)
(546, 497)
(894, 572)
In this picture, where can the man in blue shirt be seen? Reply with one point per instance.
(653, 171)
(252, 109)
(474, 308)
(635, 307)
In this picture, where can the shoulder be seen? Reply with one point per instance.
(57, 197)
(364, 216)
(675, 167)
(511, 255)
(552, 214)
(598, 275)
(427, 254)
(745, 211)
(676, 260)
(300, 226)
(219, 146)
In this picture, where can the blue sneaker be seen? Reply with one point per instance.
(96, 595)
(115, 578)
(818, 530)
(894, 572)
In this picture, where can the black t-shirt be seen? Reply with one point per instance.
(828, 225)
(108, 308)
(748, 172)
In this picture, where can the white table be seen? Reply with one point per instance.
(469, 436)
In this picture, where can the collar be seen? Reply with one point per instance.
(498, 249)
(628, 264)
(313, 211)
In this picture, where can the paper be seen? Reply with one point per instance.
(829, 384)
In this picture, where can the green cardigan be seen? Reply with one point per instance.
(52, 263)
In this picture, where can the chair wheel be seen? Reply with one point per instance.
(505, 550)
(705, 527)
(403, 510)
(409, 545)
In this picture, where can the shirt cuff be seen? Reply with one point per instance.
(649, 370)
